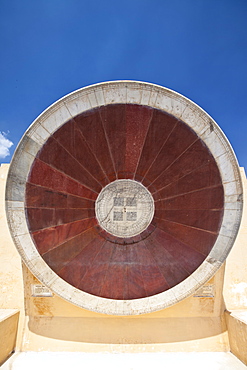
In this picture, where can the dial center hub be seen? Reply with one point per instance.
(124, 208)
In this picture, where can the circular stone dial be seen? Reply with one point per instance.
(102, 137)
(124, 208)
(144, 154)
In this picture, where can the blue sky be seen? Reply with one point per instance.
(52, 47)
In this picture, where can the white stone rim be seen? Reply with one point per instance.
(120, 92)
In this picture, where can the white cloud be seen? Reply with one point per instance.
(5, 144)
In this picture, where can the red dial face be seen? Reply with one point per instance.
(124, 142)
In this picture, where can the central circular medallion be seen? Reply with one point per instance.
(124, 208)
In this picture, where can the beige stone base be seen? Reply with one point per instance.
(124, 334)
(8, 332)
(237, 329)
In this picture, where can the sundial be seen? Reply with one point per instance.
(124, 197)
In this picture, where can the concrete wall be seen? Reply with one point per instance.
(11, 280)
(235, 281)
(51, 323)
(237, 329)
(235, 288)
(8, 332)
